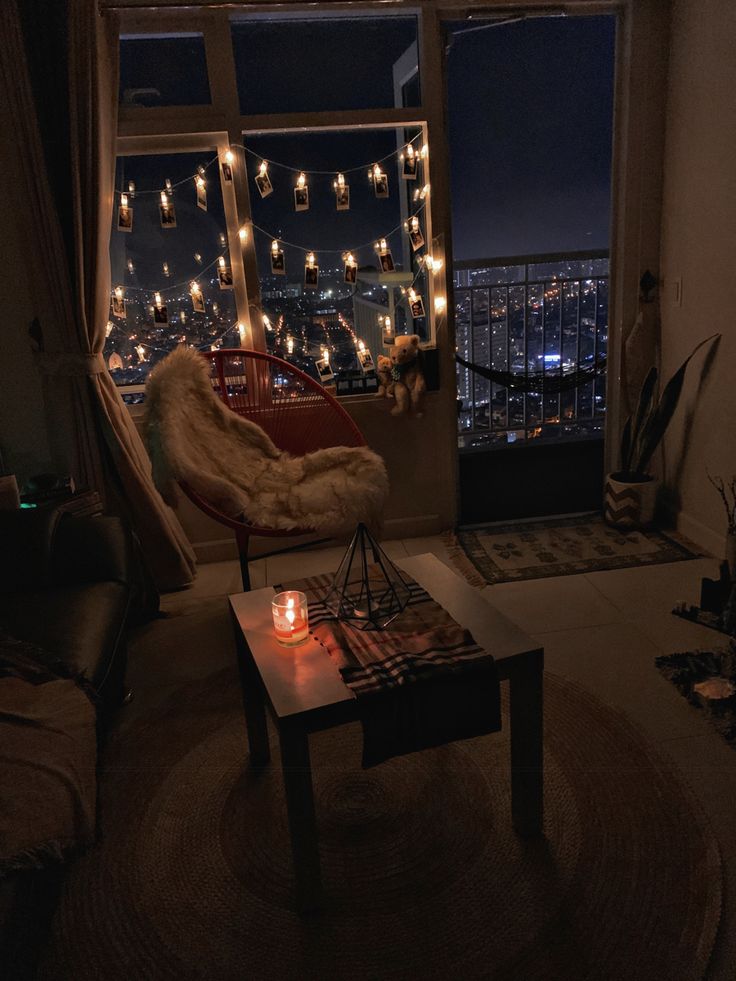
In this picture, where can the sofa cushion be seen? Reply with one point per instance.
(81, 624)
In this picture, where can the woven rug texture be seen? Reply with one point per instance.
(424, 876)
(556, 547)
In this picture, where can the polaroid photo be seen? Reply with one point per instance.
(416, 308)
(311, 277)
(365, 360)
(264, 185)
(351, 273)
(380, 186)
(278, 266)
(168, 215)
(225, 277)
(301, 199)
(161, 314)
(202, 196)
(324, 369)
(416, 238)
(118, 307)
(125, 219)
(227, 171)
(387, 261)
(342, 198)
(198, 302)
(409, 167)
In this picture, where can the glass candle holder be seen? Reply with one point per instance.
(290, 617)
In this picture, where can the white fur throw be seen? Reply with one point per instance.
(231, 462)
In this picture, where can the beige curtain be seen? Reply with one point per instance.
(106, 449)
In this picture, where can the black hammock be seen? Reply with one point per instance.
(547, 382)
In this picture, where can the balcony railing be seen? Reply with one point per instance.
(542, 319)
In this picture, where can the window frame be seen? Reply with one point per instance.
(220, 125)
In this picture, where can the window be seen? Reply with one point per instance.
(157, 254)
(163, 70)
(350, 272)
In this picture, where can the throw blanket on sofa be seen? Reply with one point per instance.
(232, 463)
(48, 759)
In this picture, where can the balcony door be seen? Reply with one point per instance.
(530, 102)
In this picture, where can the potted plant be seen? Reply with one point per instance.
(630, 493)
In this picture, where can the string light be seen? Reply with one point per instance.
(434, 265)
(289, 345)
(424, 153)
(131, 267)
(361, 347)
(119, 292)
(243, 234)
(201, 170)
(221, 262)
(131, 189)
(439, 304)
(123, 200)
(242, 331)
(164, 199)
(166, 269)
(198, 258)
(229, 157)
(167, 185)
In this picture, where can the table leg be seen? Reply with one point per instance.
(527, 773)
(253, 706)
(302, 822)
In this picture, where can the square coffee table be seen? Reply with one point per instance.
(302, 689)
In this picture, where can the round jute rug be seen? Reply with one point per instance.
(424, 876)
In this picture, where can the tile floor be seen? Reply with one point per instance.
(603, 631)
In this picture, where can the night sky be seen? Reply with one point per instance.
(530, 107)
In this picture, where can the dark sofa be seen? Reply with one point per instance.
(70, 586)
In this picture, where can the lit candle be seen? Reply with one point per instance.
(290, 618)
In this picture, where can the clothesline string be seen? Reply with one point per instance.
(272, 163)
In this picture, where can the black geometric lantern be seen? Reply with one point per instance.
(368, 591)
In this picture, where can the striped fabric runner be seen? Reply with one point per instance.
(420, 682)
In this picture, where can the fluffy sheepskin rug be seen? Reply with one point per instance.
(230, 461)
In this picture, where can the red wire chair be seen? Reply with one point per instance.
(293, 409)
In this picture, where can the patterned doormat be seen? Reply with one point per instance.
(707, 679)
(556, 547)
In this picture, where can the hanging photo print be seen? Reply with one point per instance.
(387, 329)
(324, 369)
(125, 215)
(415, 233)
(311, 272)
(224, 274)
(342, 193)
(409, 163)
(278, 266)
(115, 363)
(197, 298)
(385, 257)
(263, 181)
(226, 165)
(160, 311)
(167, 212)
(301, 194)
(199, 183)
(350, 274)
(380, 182)
(416, 305)
(118, 304)
(365, 358)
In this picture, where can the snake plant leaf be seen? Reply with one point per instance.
(661, 416)
(644, 411)
(626, 446)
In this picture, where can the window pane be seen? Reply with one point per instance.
(163, 71)
(286, 65)
(153, 258)
(334, 313)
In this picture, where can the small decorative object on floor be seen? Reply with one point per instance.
(368, 590)
(290, 618)
(707, 679)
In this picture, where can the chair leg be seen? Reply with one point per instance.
(243, 540)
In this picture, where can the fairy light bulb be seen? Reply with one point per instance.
(198, 258)
(119, 292)
(123, 200)
(166, 269)
(340, 182)
(267, 322)
(221, 262)
(326, 355)
(301, 180)
(412, 295)
(229, 157)
(200, 181)
(131, 188)
(223, 240)
(361, 347)
(131, 267)
(415, 224)
(310, 260)
(243, 234)
(157, 299)
(263, 169)
(167, 184)
(164, 198)
(377, 172)
(349, 259)
(290, 345)
(274, 246)
(409, 151)
(242, 331)
(200, 170)
(439, 304)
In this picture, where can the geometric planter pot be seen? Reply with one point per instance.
(628, 503)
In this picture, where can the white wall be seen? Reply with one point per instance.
(699, 248)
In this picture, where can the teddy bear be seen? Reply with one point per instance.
(385, 381)
(407, 375)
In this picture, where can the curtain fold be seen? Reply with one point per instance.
(107, 449)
